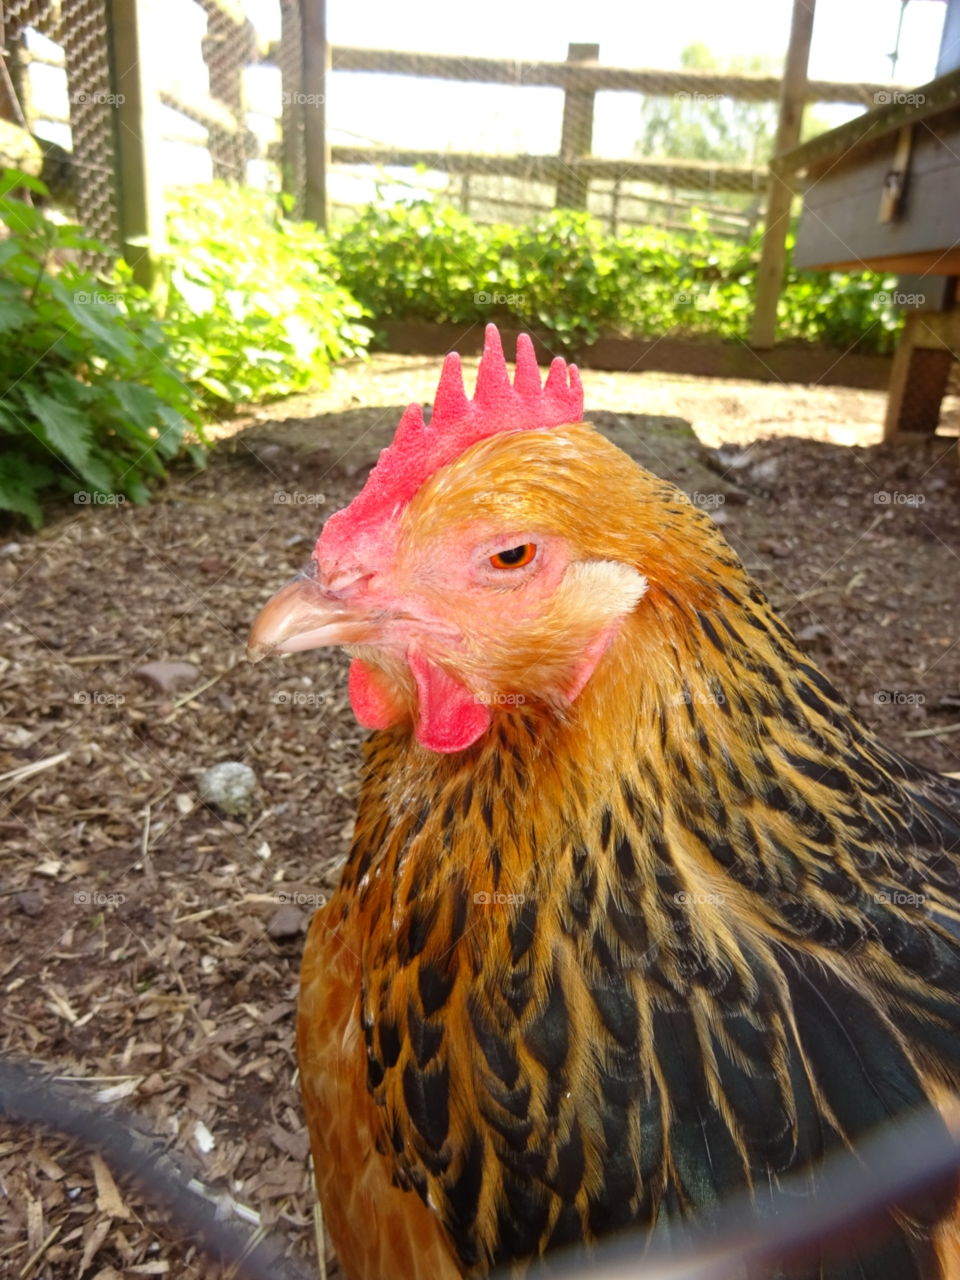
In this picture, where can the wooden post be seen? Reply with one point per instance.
(293, 161)
(921, 370)
(316, 67)
(773, 257)
(576, 137)
(140, 191)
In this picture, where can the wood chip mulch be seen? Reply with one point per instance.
(149, 944)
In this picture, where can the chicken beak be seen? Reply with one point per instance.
(302, 615)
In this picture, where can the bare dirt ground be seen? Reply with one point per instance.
(149, 944)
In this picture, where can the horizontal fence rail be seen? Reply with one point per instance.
(595, 77)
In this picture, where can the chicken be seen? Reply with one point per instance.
(637, 915)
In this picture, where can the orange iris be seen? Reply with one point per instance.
(515, 558)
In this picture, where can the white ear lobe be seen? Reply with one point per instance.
(602, 589)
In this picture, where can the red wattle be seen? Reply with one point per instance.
(451, 719)
(371, 701)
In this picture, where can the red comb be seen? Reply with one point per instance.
(457, 423)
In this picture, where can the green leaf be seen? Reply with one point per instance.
(14, 314)
(20, 482)
(63, 429)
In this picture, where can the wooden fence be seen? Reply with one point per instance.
(116, 132)
(574, 171)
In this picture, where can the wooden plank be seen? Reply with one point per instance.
(704, 358)
(576, 134)
(695, 175)
(949, 58)
(773, 257)
(898, 107)
(564, 75)
(137, 134)
(316, 64)
(839, 227)
(921, 369)
(291, 152)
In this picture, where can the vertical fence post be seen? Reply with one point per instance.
(576, 137)
(773, 258)
(293, 160)
(316, 66)
(141, 214)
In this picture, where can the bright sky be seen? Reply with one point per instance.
(852, 41)
(852, 38)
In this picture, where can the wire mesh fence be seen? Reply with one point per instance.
(225, 97)
(253, 100)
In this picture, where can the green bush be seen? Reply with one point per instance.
(102, 384)
(90, 398)
(565, 274)
(251, 303)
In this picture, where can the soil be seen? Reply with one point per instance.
(148, 943)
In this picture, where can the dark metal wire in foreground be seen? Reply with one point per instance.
(30, 1097)
(910, 1160)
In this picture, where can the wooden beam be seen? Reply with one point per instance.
(290, 153)
(693, 175)
(141, 211)
(773, 257)
(567, 75)
(576, 134)
(316, 65)
(896, 110)
(921, 369)
(705, 358)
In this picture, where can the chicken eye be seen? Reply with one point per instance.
(515, 558)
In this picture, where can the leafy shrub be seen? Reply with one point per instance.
(564, 273)
(102, 384)
(90, 398)
(251, 302)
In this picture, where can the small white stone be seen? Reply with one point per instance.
(229, 787)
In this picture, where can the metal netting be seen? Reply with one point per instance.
(80, 29)
(536, 135)
(229, 46)
(204, 128)
(578, 133)
(290, 57)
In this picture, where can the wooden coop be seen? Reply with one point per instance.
(883, 191)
